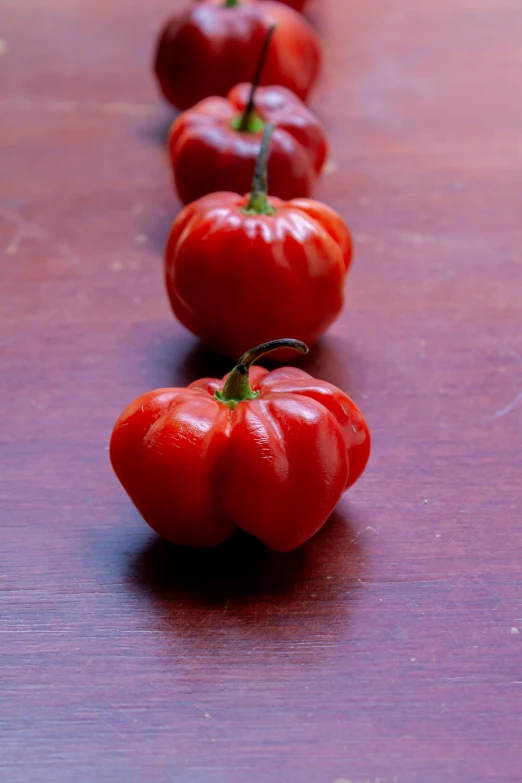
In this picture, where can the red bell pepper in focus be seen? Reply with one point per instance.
(269, 452)
(215, 44)
(214, 146)
(241, 270)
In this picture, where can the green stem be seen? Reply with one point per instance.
(258, 201)
(246, 118)
(231, 3)
(237, 386)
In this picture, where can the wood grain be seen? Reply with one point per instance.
(390, 647)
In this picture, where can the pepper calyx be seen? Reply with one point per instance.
(237, 385)
(252, 124)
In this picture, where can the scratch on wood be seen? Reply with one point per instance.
(206, 715)
(24, 229)
(509, 350)
(511, 407)
(30, 229)
(68, 254)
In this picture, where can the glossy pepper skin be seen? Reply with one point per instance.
(271, 453)
(209, 153)
(211, 47)
(241, 270)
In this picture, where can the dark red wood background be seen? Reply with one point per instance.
(390, 647)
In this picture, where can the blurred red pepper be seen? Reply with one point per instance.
(215, 44)
(214, 146)
(271, 453)
(297, 4)
(241, 270)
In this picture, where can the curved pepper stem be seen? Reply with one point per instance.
(249, 122)
(237, 386)
(258, 201)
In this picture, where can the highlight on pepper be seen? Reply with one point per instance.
(268, 452)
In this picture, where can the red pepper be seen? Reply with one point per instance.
(214, 146)
(241, 270)
(215, 44)
(271, 453)
(297, 4)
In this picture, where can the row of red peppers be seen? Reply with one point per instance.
(269, 452)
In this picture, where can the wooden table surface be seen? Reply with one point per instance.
(388, 649)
